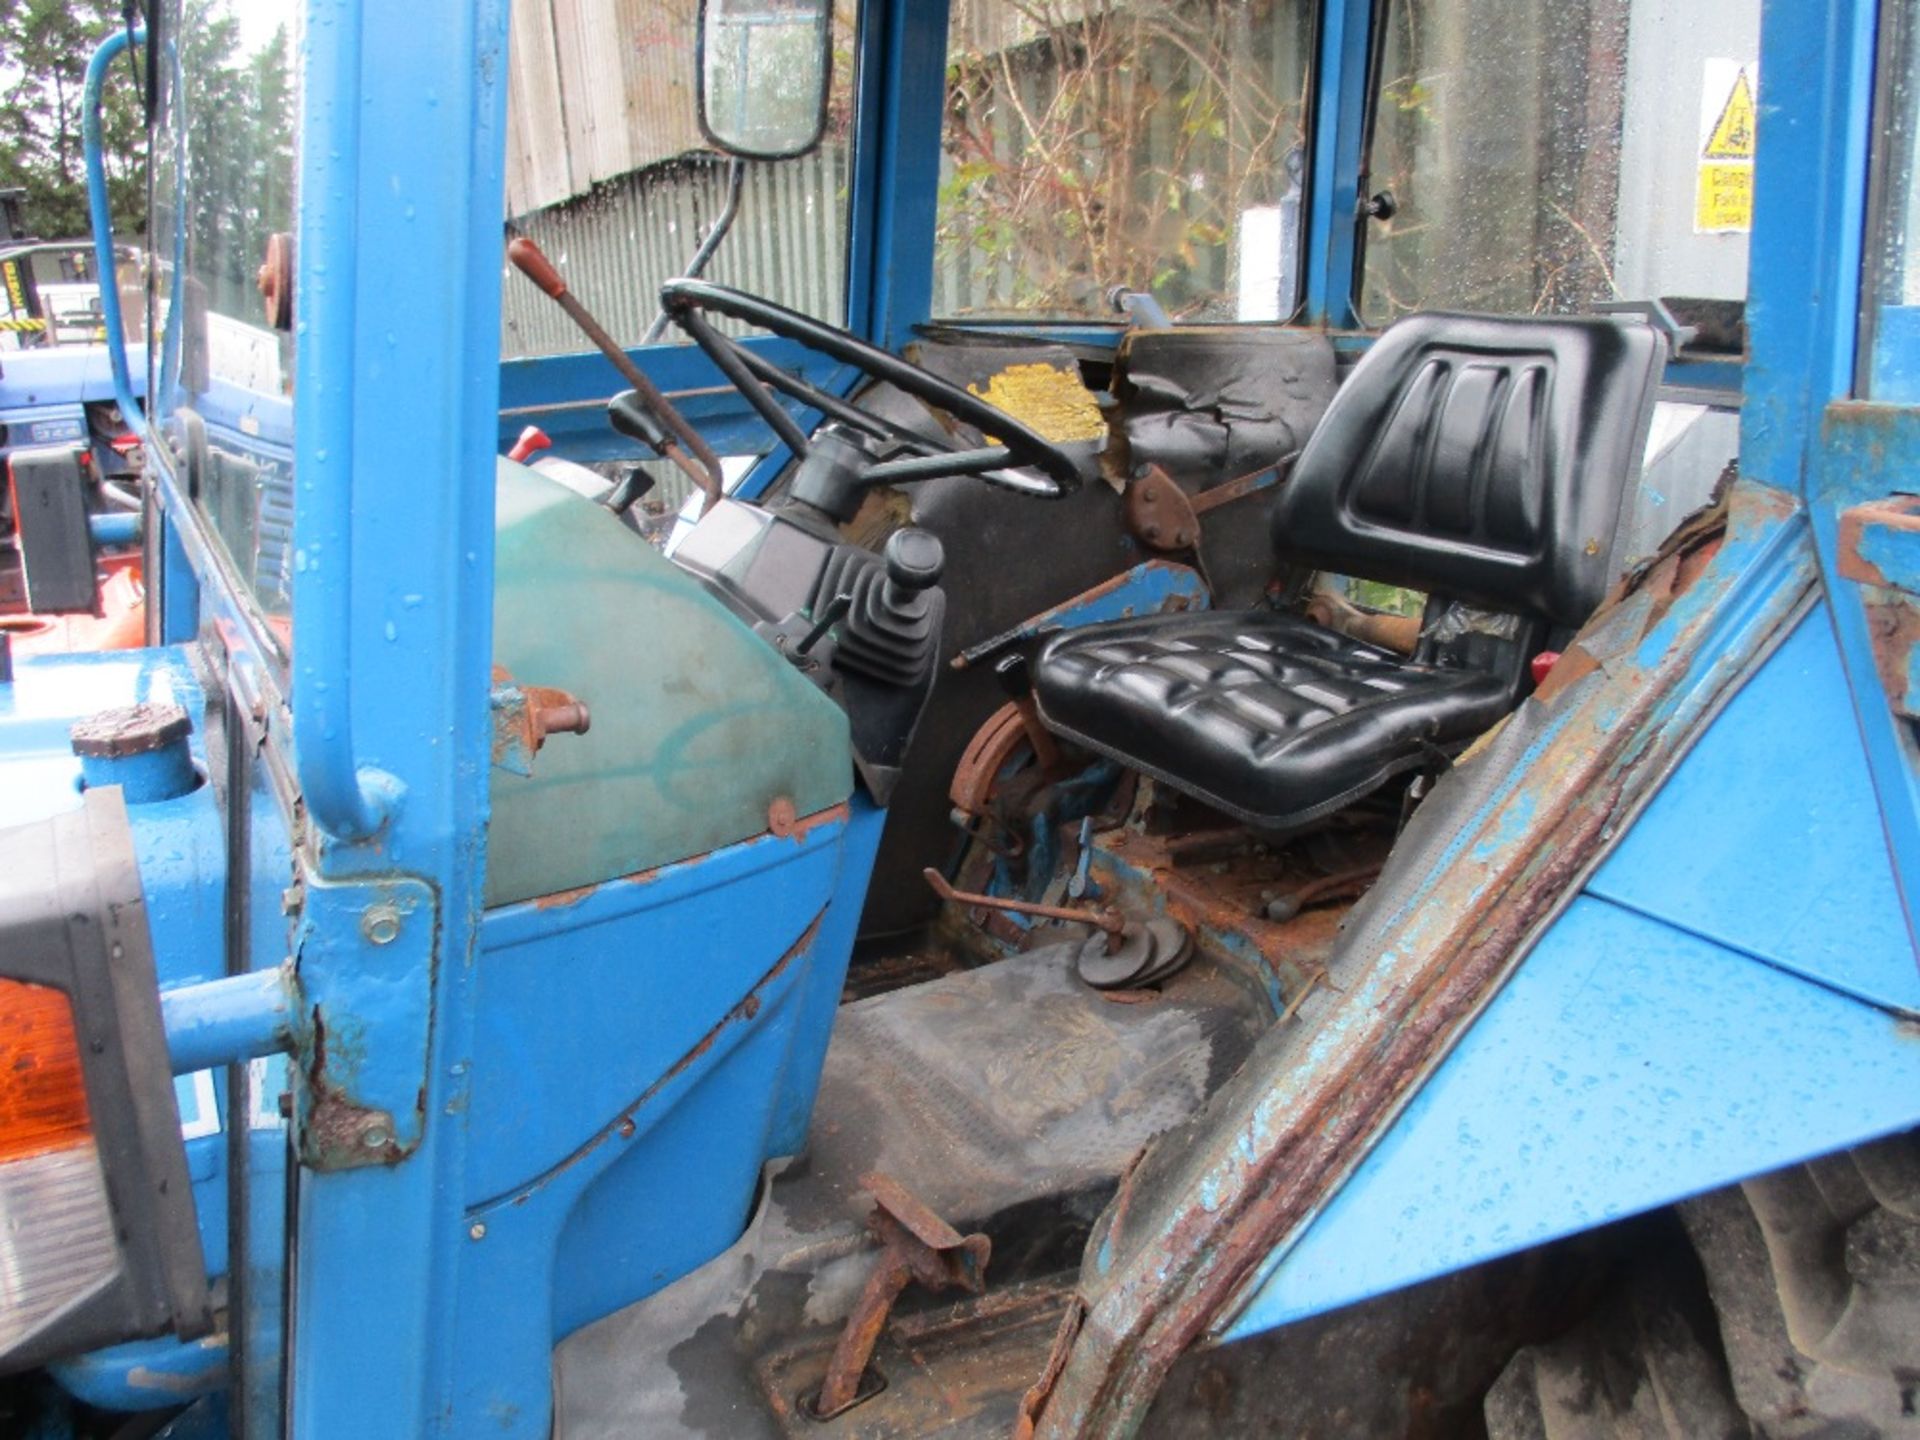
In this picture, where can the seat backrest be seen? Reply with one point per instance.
(1479, 457)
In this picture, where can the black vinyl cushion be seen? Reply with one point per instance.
(1481, 457)
(1268, 717)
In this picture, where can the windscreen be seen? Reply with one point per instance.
(1155, 147)
(221, 217)
(1528, 158)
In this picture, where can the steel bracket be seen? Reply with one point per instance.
(365, 954)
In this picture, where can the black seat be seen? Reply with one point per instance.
(1480, 459)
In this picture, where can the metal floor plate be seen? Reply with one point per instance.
(1009, 1099)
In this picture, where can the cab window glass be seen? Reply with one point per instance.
(1891, 355)
(1544, 158)
(222, 191)
(608, 173)
(1155, 145)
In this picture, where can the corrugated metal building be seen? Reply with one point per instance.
(607, 172)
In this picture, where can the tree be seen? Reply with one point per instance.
(1114, 142)
(44, 49)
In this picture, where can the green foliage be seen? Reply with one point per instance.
(239, 119)
(44, 49)
(1113, 142)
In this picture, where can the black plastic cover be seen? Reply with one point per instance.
(1484, 458)
(72, 917)
(1212, 403)
(50, 518)
(1268, 717)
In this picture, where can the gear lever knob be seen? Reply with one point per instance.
(914, 558)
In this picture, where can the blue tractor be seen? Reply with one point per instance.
(1268, 787)
(57, 389)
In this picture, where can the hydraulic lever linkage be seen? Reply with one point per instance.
(654, 421)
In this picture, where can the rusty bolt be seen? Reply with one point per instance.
(1152, 532)
(782, 816)
(569, 717)
(626, 1129)
(380, 924)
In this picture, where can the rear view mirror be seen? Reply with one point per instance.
(765, 67)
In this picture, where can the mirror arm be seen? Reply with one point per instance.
(736, 182)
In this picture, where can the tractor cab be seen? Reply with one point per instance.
(895, 719)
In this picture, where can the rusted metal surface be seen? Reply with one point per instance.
(954, 1369)
(1340, 885)
(1184, 589)
(1112, 924)
(799, 827)
(1219, 884)
(1250, 484)
(1893, 628)
(275, 280)
(1899, 514)
(1063, 1338)
(1160, 514)
(915, 1244)
(363, 958)
(129, 730)
(986, 755)
(1206, 1215)
(781, 816)
(1399, 633)
(525, 715)
(1878, 546)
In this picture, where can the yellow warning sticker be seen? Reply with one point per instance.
(1729, 118)
(1732, 135)
(1050, 399)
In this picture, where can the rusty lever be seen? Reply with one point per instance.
(1101, 920)
(916, 1244)
(682, 444)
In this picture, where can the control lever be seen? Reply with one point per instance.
(835, 612)
(1131, 954)
(644, 414)
(1112, 924)
(914, 559)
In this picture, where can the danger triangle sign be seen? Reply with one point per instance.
(1732, 135)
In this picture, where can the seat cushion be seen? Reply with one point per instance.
(1270, 718)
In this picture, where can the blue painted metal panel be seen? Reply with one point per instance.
(1628, 1064)
(893, 252)
(698, 999)
(181, 851)
(1809, 238)
(1333, 187)
(566, 396)
(1768, 839)
(422, 188)
(651, 962)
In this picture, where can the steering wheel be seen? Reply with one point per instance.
(689, 302)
